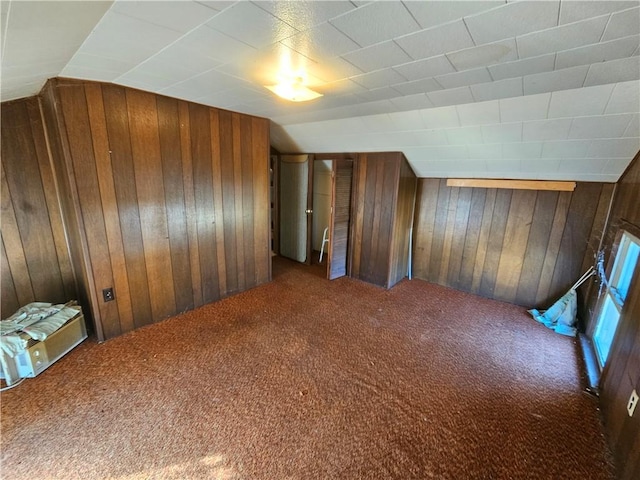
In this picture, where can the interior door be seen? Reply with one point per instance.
(341, 178)
(296, 172)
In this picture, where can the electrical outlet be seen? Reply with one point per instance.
(107, 294)
(633, 402)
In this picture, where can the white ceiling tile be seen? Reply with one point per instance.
(557, 129)
(460, 79)
(436, 41)
(340, 87)
(483, 113)
(614, 147)
(616, 167)
(375, 94)
(503, 168)
(178, 63)
(580, 102)
(98, 63)
(411, 120)
(321, 41)
(575, 10)
(520, 68)
(85, 73)
(502, 133)
(376, 22)
(432, 137)
(379, 78)
(529, 107)
(509, 87)
(429, 67)
(540, 165)
(179, 16)
(444, 152)
(623, 24)
(443, 117)
(454, 96)
(485, 152)
(377, 57)
(464, 135)
(419, 86)
(511, 20)
(205, 42)
(204, 83)
(625, 98)
(562, 38)
(613, 71)
(140, 76)
(633, 130)
(484, 55)
(252, 25)
(411, 102)
(565, 149)
(583, 165)
(127, 38)
(607, 126)
(377, 123)
(565, 79)
(306, 14)
(333, 69)
(599, 52)
(522, 150)
(432, 13)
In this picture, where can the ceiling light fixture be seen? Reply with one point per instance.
(294, 90)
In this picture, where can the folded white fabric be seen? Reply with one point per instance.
(43, 328)
(28, 315)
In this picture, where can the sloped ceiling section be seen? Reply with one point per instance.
(492, 89)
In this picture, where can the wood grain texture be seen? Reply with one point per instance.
(171, 197)
(35, 262)
(383, 191)
(519, 246)
(342, 180)
(538, 185)
(622, 370)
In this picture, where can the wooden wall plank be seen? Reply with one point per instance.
(99, 135)
(536, 247)
(423, 229)
(10, 301)
(402, 223)
(115, 107)
(357, 202)
(450, 223)
(238, 221)
(145, 147)
(51, 196)
(74, 110)
(228, 201)
(23, 178)
(216, 169)
(248, 265)
(514, 245)
(15, 251)
(174, 199)
(496, 241)
(472, 237)
(483, 239)
(439, 231)
(261, 210)
(208, 219)
(190, 203)
(460, 229)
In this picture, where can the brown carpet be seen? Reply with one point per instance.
(309, 379)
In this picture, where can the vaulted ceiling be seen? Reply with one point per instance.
(492, 89)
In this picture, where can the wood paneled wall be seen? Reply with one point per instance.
(520, 246)
(171, 199)
(35, 259)
(383, 193)
(622, 370)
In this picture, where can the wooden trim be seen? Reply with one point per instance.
(512, 184)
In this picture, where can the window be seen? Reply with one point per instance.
(615, 295)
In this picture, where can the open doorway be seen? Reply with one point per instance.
(314, 210)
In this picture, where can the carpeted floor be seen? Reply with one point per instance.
(309, 379)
